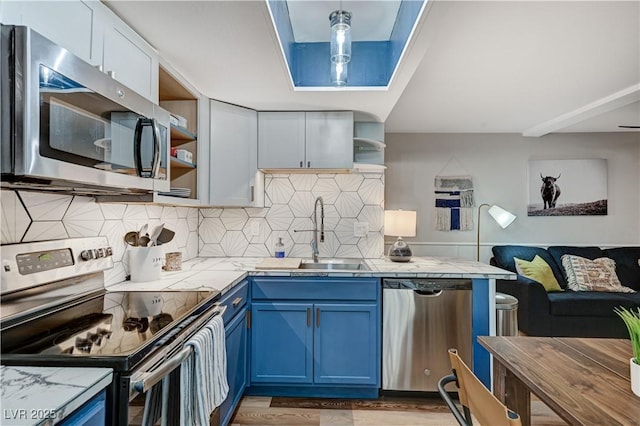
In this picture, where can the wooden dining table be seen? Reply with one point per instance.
(584, 380)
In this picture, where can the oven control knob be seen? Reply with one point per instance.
(86, 255)
(108, 251)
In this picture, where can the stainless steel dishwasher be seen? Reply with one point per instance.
(422, 318)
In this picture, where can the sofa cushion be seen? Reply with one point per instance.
(588, 303)
(592, 275)
(627, 265)
(587, 252)
(505, 255)
(538, 270)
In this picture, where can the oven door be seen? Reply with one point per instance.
(145, 398)
(72, 123)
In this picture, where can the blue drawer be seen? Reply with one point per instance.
(235, 300)
(314, 288)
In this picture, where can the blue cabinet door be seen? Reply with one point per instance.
(236, 345)
(346, 349)
(281, 343)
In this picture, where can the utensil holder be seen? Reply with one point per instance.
(145, 263)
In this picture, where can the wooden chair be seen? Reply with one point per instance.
(474, 398)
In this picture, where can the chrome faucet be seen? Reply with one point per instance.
(314, 242)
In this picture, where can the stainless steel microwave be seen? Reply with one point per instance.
(67, 126)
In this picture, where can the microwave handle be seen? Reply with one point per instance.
(137, 146)
(155, 167)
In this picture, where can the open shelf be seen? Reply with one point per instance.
(366, 144)
(180, 135)
(179, 100)
(180, 164)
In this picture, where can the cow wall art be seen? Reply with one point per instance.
(567, 187)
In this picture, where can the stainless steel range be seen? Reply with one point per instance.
(56, 312)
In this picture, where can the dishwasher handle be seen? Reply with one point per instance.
(428, 293)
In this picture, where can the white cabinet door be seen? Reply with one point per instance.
(70, 24)
(91, 31)
(233, 155)
(329, 140)
(131, 60)
(281, 140)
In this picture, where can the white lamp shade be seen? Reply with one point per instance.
(400, 223)
(500, 215)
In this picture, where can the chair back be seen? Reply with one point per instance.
(484, 406)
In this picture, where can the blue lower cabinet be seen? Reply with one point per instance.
(281, 343)
(92, 413)
(315, 337)
(345, 344)
(236, 344)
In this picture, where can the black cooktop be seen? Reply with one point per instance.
(113, 327)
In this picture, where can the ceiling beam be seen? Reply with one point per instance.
(608, 103)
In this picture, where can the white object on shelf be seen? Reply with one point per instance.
(184, 155)
(178, 120)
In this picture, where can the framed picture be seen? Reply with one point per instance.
(567, 187)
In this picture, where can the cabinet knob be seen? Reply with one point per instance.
(301, 164)
(308, 164)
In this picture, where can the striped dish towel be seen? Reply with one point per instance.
(204, 374)
(454, 203)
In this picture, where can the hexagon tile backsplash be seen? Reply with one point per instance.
(211, 232)
(38, 216)
(289, 203)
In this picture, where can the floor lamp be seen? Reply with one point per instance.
(500, 215)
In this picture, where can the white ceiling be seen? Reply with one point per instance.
(473, 66)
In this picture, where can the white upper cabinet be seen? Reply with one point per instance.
(281, 139)
(91, 31)
(234, 177)
(129, 58)
(307, 140)
(70, 24)
(329, 140)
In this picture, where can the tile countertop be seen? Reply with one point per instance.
(197, 274)
(23, 402)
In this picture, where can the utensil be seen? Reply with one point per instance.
(165, 236)
(142, 232)
(144, 241)
(155, 233)
(131, 238)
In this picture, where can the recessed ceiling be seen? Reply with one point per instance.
(370, 20)
(378, 41)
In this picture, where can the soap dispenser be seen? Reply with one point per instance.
(279, 248)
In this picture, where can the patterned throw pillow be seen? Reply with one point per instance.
(592, 275)
(538, 270)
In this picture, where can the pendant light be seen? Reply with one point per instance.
(340, 21)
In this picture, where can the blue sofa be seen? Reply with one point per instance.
(569, 313)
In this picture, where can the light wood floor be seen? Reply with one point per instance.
(425, 412)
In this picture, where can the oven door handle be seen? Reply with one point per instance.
(147, 380)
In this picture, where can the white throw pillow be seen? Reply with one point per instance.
(592, 275)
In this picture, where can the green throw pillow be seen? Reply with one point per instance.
(538, 270)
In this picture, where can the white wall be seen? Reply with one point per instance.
(498, 164)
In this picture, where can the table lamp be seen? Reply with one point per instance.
(400, 223)
(503, 217)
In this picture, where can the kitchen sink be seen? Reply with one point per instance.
(344, 264)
